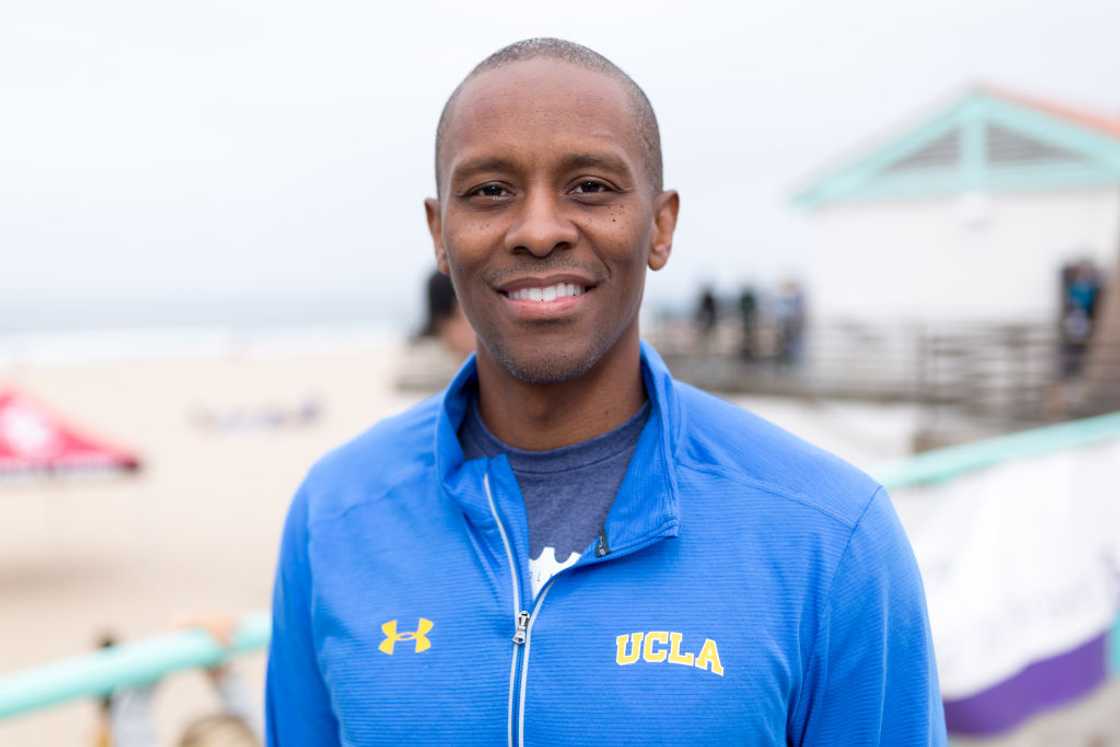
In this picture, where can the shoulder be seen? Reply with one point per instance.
(722, 439)
(396, 450)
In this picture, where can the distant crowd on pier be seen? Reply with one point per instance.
(769, 323)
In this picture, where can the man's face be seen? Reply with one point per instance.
(547, 219)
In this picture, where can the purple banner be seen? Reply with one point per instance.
(1042, 685)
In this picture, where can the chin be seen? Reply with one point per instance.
(552, 365)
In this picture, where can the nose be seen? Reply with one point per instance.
(540, 228)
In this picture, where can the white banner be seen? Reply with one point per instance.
(1020, 561)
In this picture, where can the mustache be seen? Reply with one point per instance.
(547, 265)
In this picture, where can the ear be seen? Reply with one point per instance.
(435, 228)
(665, 208)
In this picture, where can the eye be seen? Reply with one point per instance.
(591, 187)
(489, 190)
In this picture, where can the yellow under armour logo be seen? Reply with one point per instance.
(420, 635)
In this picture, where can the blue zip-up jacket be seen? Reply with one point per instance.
(746, 588)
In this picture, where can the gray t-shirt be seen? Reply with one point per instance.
(567, 491)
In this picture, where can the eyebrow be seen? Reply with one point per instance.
(607, 161)
(473, 166)
(571, 162)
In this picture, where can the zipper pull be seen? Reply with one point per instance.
(522, 628)
(603, 549)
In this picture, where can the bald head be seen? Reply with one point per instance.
(645, 120)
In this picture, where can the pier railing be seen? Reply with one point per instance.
(1001, 377)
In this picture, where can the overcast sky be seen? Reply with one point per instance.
(158, 149)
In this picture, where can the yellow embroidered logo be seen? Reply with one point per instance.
(659, 646)
(420, 635)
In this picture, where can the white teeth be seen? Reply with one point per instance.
(549, 293)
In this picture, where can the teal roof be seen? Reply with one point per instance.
(986, 140)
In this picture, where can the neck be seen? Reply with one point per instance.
(538, 417)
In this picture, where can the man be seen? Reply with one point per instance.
(567, 546)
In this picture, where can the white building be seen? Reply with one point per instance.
(969, 214)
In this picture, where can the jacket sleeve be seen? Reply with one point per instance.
(872, 677)
(297, 705)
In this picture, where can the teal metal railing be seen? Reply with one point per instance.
(948, 463)
(125, 665)
(146, 661)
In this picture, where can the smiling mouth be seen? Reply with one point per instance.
(546, 293)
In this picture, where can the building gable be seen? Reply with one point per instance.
(944, 151)
(985, 142)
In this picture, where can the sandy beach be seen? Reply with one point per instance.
(194, 533)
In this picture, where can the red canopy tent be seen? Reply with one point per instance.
(35, 441)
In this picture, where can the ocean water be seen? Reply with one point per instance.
(44, 311)
(61, 330)
(151, 342)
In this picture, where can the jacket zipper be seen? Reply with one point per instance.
(526, 641)
(522, 631)
(521, 620)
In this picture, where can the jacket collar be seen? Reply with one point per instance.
(646, 505)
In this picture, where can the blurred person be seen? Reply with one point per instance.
(441, 344)
(128, 715)
(568, 546)
(707, 315)
(790, 313)
(1085, 289)
(445, 320)
(748, 318)
(103, 732)
(221, 730)
(1082, 283)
